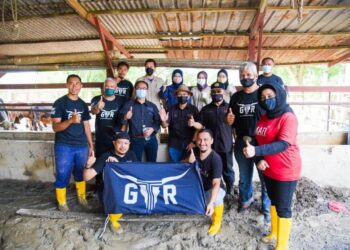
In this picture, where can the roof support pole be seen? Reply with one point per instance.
(107, 48)
(261, 28)
(253, 29)
(92, 20)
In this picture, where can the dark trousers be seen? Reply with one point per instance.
(281, 195)
(227, 168)
(138, 145)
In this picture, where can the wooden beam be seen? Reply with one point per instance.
(170, 36)
(106, 49)
(340, 59)
(260, 44)
(251, 49)
(258, 19)
(91, 19)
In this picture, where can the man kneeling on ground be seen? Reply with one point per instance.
(210, 165)
(120, 153)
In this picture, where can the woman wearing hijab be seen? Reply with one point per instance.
(201, 93)
(168, 94)
(222, 77)
(279, 158)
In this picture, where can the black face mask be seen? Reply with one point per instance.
(149, 71)
(182, 99)
(217, 97)
(246, 83)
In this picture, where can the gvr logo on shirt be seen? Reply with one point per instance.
(70, 113)
(105, 114)
(247, 109)
(121, 91)
(149, 190)
(261, 131)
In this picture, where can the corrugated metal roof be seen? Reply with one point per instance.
(73, 27)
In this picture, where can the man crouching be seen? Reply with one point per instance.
(210, 165)
(120, 153)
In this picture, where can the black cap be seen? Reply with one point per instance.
(121, 135)
(217, 85)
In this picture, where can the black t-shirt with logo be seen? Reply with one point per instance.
(106, 119)
(247, 113)
(124, 90)
(101, 161)
(210, 168)
(74, 134)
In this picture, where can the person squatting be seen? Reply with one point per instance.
(208, 124)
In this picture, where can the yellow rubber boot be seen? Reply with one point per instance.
(81, 193)
(61, 199)
(274, 225)
(216, 220)
(283, 232)
(115, 225)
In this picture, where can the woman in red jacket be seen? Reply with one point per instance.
(279, 157)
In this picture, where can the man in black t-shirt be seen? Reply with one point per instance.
(243, 115)
(210, 165)
(125, 89)
(120, 153)
(106, 107)
(73, 141)
(212, 116)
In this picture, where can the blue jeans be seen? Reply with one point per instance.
(227, 169)
(219, 197)
(176, 154)
(138, 145)
(246, 168)
(68, 160)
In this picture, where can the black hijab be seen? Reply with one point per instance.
(281, 100)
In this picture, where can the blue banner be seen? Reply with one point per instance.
(152, 188)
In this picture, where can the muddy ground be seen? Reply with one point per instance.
(314, 225)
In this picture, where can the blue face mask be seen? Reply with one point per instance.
(217, 97)
(141, 93)
(269, 104)
(109, 92)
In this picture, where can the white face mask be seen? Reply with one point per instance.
(267, 69)
(141, 93)
(201, 82)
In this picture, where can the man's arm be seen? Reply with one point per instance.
(89, 137)
(214, 192)
(59, 126)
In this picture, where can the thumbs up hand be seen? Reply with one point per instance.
(128, 114)
(191, 121)
(230, 117)
(249, 150)
(192, 157)
(101, 103)
(76, 117)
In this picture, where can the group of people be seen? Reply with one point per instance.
(208, 123)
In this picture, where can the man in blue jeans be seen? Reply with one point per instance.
(243, 115)
(73, 141)
(181, 136)
(142, 117)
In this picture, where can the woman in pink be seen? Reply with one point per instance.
(279, 157)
